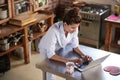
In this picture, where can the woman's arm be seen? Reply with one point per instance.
(86, 58)
(78, 51)
(64, 60)
(59, 58)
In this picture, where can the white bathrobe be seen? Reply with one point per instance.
(55, 40)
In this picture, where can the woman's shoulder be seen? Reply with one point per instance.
(56, 26)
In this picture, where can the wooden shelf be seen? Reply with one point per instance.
(1, 5)
(6, 6)
(37, 35)
(11, 49)
(44, 15)
(9, 29)
(28, 8)
(36, 6)
(17, 1)
(39, 16)
(3, 20)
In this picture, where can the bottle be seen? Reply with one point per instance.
(116, 10)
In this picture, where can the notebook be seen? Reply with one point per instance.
(91, 64)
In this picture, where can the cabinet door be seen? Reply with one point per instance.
(39, 4)
(21, 7)
(5, 10)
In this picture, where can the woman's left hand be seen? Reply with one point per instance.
(87, 59)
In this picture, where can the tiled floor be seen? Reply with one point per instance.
(21, 71)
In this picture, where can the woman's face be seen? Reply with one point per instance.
(70, 28)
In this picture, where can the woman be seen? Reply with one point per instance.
(59, 36)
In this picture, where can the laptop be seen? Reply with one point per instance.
(91, 64)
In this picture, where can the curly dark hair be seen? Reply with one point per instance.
(72, 16)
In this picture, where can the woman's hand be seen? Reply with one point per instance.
(87, 59)
(77, 61)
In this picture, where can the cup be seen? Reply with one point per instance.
(69, 68)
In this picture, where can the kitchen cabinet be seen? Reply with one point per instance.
(27, 18)
(6, 32)
(39, 4)
(5, 11)
(39, 16)
(20, 7)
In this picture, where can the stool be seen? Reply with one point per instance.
(45, 69)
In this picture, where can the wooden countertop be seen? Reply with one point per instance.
(9, 29)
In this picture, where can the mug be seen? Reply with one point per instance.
(69, 68)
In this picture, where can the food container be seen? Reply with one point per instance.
(3, 14)
(4, 47)
(3, 41)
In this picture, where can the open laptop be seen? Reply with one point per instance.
(91, 64)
